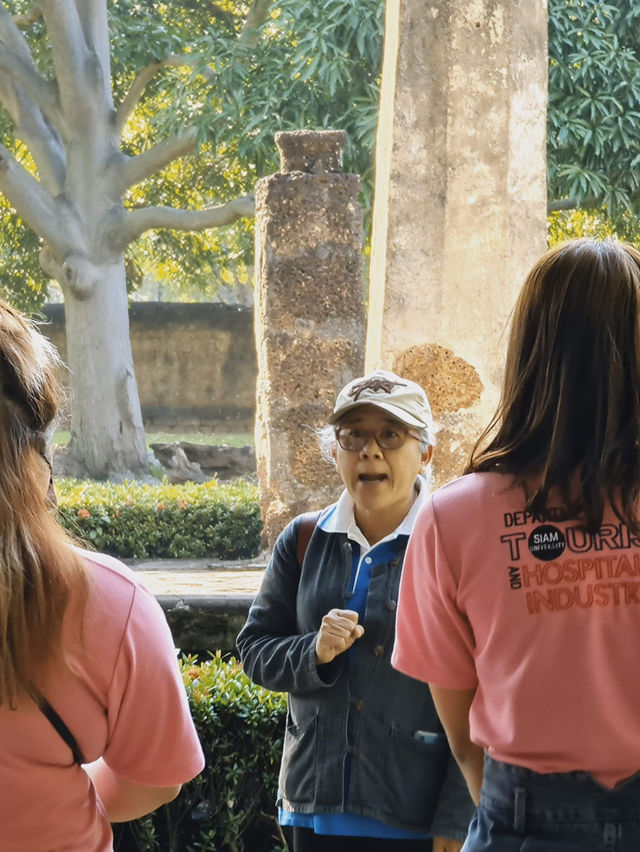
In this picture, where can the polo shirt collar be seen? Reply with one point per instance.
(340, 518)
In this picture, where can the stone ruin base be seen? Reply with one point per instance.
(187, 462)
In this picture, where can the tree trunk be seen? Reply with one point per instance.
(107, 434)
(76, 207)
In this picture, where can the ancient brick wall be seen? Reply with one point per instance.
(195, 363)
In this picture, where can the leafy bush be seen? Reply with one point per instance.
(229, 807)
(133, 520)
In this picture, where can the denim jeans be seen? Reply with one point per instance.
(524, 811)
(304, 840)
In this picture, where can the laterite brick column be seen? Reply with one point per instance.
(309, 318)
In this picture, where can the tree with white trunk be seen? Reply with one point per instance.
(73, 199)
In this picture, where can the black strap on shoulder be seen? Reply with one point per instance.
(60, 726)
(308, 524)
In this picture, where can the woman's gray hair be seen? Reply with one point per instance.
(326, 436)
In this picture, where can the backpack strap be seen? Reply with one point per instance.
(308, 523)
(59, 725)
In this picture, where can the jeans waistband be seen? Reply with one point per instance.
(517, 789)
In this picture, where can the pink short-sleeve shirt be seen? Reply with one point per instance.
(540, 616)
(124, 702)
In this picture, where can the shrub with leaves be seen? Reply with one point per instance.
(230, 806)
(134, 520)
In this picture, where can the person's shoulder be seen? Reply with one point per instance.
(316, 516)
(113, 586)
(473, 488)
(118, 606)
(108, 570)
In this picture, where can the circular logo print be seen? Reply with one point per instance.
(546, 542)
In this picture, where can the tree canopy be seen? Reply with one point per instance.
(238, 71)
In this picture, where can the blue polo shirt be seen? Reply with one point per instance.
(340, 518)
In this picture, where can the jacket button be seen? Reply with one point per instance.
(378, 650)
(391, 605)
(357, 703)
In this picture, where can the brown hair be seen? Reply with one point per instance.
(39, 571)
(570, 408)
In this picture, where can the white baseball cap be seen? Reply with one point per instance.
(403, 399)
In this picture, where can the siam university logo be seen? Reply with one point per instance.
(546, 542)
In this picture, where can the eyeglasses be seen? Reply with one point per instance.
(387, 438)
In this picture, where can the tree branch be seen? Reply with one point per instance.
(142, 80)
(32, 202)
(17, 63)
(37, 134)
(95, 26)
(258, 14)
(71, 59)
(41, 91)
(148, 218)
(153, 160)
(589, 203)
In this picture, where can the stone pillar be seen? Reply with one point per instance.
(460, 200)
(309, 318)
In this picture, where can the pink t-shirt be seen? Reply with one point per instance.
(541, 616)
(126, 703)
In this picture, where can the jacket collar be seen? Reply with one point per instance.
(339, 517)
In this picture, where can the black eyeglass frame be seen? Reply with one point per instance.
(367, 434)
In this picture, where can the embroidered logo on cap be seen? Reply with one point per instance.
(375, 385)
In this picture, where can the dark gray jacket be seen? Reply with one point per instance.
(360, 707)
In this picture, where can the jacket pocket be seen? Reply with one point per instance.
(414, 774)
(298, 768)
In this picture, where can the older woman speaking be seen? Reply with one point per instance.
(364, 755)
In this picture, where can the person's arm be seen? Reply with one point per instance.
(123, 800)
(143, 763)
(453, 707)
(273, 651)
(454, 810)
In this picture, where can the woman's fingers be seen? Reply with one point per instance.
(338, 631)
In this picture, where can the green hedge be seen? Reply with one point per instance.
(230, 806)
(133, 520)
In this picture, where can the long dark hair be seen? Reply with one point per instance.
(40, 573)
(569, 417)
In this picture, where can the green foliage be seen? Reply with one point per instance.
(569, 224)
(310, 64)
(22, 282)
(594, 104)
(133, 520)
(230, 806)
(313, 65)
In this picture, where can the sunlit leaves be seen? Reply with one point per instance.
(315, 65)
(594, 104)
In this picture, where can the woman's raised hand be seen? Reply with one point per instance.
(338, 631)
